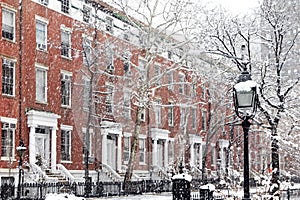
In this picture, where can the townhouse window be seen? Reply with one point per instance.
(142, 150)
(141, 69)
(157, 112)
(87, 144)
(193, 90)
(65, 6)
(127, 64)
(8, 138)
(65, 43)
(204, 113)
(143, 115)
(171, 151)
(86, 13)
(86, 93)
(194, 118)
(66, 133)
(181, 83)
(127, 147)
(8, 24)
(182, 116)
(213, 155)
(44, 2)
(66, 89)
(127, 105)
(157, 74)
(109, 59)
(41, 85)
(109, 99)
(171, 114)
(170, 80)
(87, 51)
(41, 35)
(109, 24)
(8, 77)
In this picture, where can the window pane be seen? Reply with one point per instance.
(8, 24)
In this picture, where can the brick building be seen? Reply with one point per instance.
(68, 87)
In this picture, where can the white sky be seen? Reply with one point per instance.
(236, 6)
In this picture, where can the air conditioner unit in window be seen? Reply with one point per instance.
(44, 2)
(41, 46)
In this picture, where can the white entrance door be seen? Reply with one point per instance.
(160, 153)
(42, 146)
(111, 151)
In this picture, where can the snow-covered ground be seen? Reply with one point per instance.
(164, 196)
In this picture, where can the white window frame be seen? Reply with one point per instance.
(182, 116)
(127, 104)
(142, 151)
(204, 119)
(110, 59)
(194, 117)
(12, 124)
(66, 46)
(65, 6)
(41, 84)
(85, 92)
(157, 69)
(66, 78)
(109, 24)
(68, 129)
(8, 79)
(181, 83)
(127, 150)
(171, 80)
(109, 99)
(41, 45)
(157, 110)
(11, 25)
(171, 114)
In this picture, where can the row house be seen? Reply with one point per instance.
(73, 79)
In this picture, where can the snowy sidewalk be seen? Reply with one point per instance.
(162, 196)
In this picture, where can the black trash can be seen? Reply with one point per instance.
(181, 187)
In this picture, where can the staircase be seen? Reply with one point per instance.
(63, 184)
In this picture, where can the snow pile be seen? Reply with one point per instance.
(63, 197)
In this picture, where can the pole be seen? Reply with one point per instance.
(246, 126)
(20, 176)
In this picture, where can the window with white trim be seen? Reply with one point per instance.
(142, 150)
(86, 92)
(8, 77)
(127, 146)
(87, 51)
(41, 85)
(66, 138)
(41, 35)
(194, 118)
(66, 43)
(181, 83)
(109, 59)
(109, 99)
(182, 116)
(170, 80)
(86, 11)
(204, 113)
(44, 2)
(8, 24)
(171, 114)
(157, 112)
(66, 89)
(65, 6)
(109, 24)
(8, 128)
(157, 72)
(127, 104)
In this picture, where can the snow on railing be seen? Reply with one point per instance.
(111, 171)
(42, 174)
(68, 175)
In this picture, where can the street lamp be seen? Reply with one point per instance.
(21, 151)
(245, 103)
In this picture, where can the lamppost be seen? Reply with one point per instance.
(21, 151)
(245, 102)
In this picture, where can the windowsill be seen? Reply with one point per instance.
(42, 50)
(66, 106)
(66, 161)
(67, 58)
(8, 159)
(8, 40)
(142, 163)
(9, 96)
(40, 102)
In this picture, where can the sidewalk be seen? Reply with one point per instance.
(161, 196)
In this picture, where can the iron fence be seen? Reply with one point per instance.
(38, 191)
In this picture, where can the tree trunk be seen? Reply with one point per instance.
(275, 163)
(129, 170)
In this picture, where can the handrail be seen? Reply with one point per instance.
(111, 170)
(67, 174)
(43, 173)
